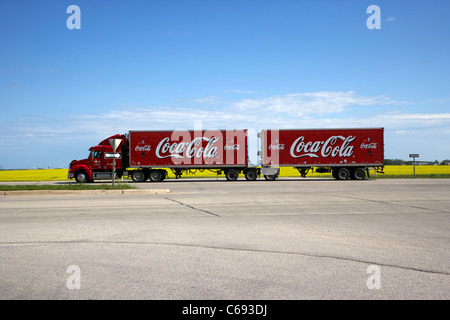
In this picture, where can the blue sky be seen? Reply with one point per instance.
(222, 64)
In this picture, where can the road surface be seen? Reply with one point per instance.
(290, 239)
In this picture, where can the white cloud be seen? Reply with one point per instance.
(313, 109)
(317, 103)
(423, 116)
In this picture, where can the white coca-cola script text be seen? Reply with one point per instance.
(335, 146)
(166, 149)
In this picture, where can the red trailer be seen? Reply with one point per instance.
(347, 153)
(183, 151)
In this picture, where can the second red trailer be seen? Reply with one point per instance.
(328, 150)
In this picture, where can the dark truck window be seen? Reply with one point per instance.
(96, 154)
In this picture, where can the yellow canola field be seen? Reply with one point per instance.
(61, 174)
(420, 170)
(34, 175)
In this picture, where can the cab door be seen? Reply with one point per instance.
(97, 159)
(107, 162)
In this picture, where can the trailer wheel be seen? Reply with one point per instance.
(138, 176)
(343, 174)
(359, 174)
(156, 175)
(231, 174)
(81, 177)
(271, 177)
(251, 175)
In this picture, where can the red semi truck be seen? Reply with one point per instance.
(148, 154)
(346, 153)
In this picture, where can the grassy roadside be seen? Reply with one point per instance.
(75, 186)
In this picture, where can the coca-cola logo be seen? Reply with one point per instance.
(276, 146)
(372, 145)
(368, 144)
(194, 148)
(334, 146)
(142, 148)
(232, 147)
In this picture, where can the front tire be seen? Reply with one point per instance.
(81, 177)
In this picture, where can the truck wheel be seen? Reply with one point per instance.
(359, 174)
(343, 174)
(156, 176)
(271, 177)
(138, 176)
(231, 174)
(81, 177)
(251, 175)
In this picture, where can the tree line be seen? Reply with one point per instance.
(401, 162)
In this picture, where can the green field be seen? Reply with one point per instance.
(390, 172)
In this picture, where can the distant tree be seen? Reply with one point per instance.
(394, 162)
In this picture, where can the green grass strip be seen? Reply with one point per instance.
(75, 186)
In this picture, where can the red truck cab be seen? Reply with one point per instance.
(98, 165)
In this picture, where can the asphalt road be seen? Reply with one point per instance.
(290, 239)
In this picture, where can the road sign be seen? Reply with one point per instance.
(112, 155)
(114, 143)
(414, 156)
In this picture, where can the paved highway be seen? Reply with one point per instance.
(289, 239)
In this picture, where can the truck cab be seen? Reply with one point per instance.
(98, 165)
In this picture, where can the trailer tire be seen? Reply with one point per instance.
(156, 175)
(343, 174)
(138, 176)
(231, 174)
(270, 177)
(81, 176)
(250, 175)
(359, 174)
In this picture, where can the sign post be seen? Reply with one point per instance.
(414, 156)
(114, 144)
